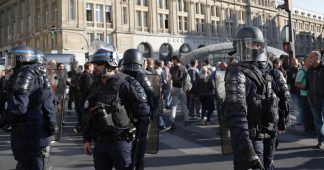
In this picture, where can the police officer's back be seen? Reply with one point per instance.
(24, 112)
(251, 103)
(132, 65)
(115, 103)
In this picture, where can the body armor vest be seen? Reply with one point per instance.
(108, 114)
(263, 109)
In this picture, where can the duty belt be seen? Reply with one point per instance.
(255, 134)
(107, 139)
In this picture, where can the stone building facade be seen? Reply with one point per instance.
(159, 28)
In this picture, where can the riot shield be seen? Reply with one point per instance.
(152, 146)
(57, 79)
(220, 98)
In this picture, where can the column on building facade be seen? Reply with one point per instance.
(118, 15)
(192, 17)
(132, 14)
(207, 23)
(153, 17)
(174, 17)
(222, 21)
(248, 13)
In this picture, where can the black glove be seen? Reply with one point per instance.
(253, 160)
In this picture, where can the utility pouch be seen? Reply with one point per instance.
(104, 119)
(271, 109)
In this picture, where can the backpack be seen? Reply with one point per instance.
(177, 74)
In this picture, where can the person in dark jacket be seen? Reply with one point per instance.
(314, 86)
(294, 91)
(205, 89)
(193, 102)
(84, 86)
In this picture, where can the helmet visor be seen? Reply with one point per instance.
(251, 50)
(10, 62)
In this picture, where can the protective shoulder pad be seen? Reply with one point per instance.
(46, 83)
(143, 80)
(235, 85)
(24, 81)
(137, 89)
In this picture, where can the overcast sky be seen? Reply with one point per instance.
(312, 5)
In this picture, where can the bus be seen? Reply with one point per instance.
(221, 53)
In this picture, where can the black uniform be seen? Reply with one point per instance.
(130, 99)
(252, 103)
(113, 108)
(132, 62)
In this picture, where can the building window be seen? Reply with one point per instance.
(180, 4)
(99, 16)
(185, 23)
(213, 11)
(108, 14)
(72, 9)
(199, 25)
(217, 11)
(90, 38)
(160, 4)
(166, 4)
(197, 8)
(125, 15)
(166, 21)
(38, 18)
(109, 39)
(213, 27)
(89, 12)
(138, 19)
(229, 27)
(142, 3)
(145, 19)
(185, 6)
(180, 23)
(160, 20)
(100, 37)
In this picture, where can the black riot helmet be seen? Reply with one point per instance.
(107, 55)
(19, 56)
(250, 44)
(132, 60)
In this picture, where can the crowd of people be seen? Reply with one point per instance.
(112, 98)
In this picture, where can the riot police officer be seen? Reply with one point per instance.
(253, 91)
(116, 103)
(132, 65)
(24, 112)
(48, 112)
